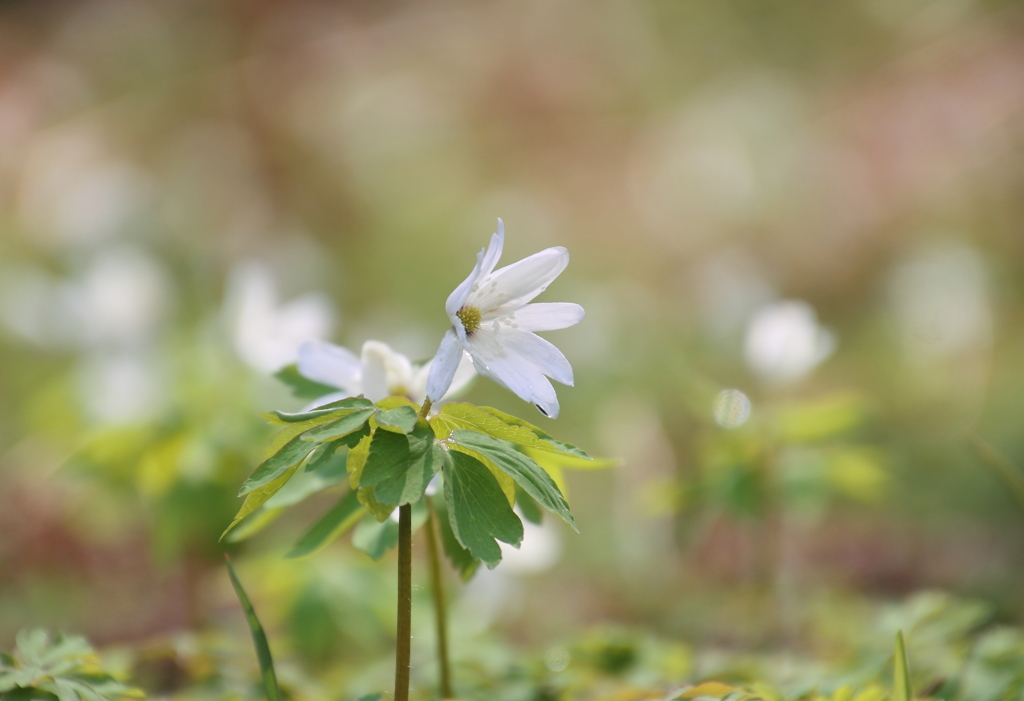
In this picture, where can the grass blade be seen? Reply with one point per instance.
(900, 672)
(259, 638)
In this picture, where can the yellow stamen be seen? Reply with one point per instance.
(470, 318)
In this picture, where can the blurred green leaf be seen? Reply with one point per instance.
(528, 506)
(302, 387)
(330, 527)
(259, 638)
(478, 511)
(820, 419)
(62, 667)
(901, 672)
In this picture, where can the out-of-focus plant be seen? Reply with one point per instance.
(392, 449)
(62, 668)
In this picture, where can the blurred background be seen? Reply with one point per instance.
(795, 227)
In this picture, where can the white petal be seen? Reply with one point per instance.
(547, 316)
(485, 262)
(540, 352)
(331, 365)
(514, 285)
(443, 366)
(512, 371)
(464, 375)
(379, 358)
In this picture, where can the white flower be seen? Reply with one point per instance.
(380, 372)
(784, 342)
(492, 320)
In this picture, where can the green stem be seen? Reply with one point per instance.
(404, 628)
(440, 615)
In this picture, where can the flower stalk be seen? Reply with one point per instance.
(440, 612)
(404, 628)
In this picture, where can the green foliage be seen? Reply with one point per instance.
(259, 638)
(527, 474)
(300, 386)
(61, 669)
(477, 509)
(462, 560)
(401, 465)
(330, 527)
(486, 458)
(901, 690)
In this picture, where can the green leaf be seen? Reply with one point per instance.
(302, 387)
(321, 455)
(253, 524)
(528, 507)
(330, 527)
(258, 497)
(375, 538)
(401, 419)
(293, 452)
(547, 442)
(321, 412)
(477, 509)
(401, 466)
(462, 560)
(336, 429)
(456, 415)
(901, 672)
(303, 483)
(259, 638)
(527, 474)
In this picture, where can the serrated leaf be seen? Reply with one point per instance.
(321, 413)
(330, 527)
(342, 427)
(258, 497)
(527, 474)
(401, 419)
(259, 638)
(507, 484)
(287, 457)
(528, 506)
(547, 442)
(478, 511)
(302, 387)
(303, 483)
(462, 560)
(901, 672)
(401, 466)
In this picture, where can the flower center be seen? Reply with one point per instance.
(470, 318)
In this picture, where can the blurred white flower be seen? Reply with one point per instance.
(378, 373)
(267, 335)
(784, 342)
(118, 301)
(540, 550)
(493, 320)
